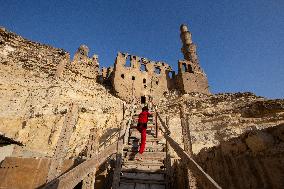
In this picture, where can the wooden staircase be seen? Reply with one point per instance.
(148, 173)
(153, 172)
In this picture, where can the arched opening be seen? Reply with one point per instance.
(122, 76)
(144, 80)
(133, 78)
(157, 82)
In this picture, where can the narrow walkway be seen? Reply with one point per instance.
(148, 173)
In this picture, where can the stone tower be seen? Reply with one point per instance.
(190, 78)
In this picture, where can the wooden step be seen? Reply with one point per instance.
(150, 140)
(148, 131)
(144, 162)
(140, 181)
(146, 155)
(126, 185)
(135, 148)
(160, 171)
(143, 176)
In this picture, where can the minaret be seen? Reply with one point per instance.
(188, 48)
(191, 77)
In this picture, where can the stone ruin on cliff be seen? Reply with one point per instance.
(55, 113)
(148, 80)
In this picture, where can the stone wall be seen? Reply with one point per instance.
(133, 80)
(191, 78)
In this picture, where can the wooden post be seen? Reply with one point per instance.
(117, 169)
(123, 111)
(92, 151)
(157, 126)
(192, 184)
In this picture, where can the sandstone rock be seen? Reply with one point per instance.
(37, 82)
(259, 141)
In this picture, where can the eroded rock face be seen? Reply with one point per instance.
(217, 118)
(236, 138)
(259, 142)
(36, 87)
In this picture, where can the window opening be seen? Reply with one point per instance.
(133, 78)
(122, 76)
(157, 70)
(144, 80)
(183, 68)
(171, 75)
(128, 61)
(143, 68)
(157, 82)
(190, 70)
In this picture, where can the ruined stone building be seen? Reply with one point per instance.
(133, 76)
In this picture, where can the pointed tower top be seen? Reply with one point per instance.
(183, 28)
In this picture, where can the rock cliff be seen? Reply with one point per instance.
(36, 86)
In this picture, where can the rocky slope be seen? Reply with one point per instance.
(36, 87)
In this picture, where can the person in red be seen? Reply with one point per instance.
(142, 126)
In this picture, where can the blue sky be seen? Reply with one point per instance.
(240, 43)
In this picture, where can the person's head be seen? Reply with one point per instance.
(145, 108)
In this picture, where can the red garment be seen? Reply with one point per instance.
(143, 117)
(142, 130)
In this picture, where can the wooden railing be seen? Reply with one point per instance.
(197, 170)
(123, 139)
(71, 178)
(78, 173)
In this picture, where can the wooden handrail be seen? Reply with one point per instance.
(123, 139)
(191, 164)
(78, 173)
